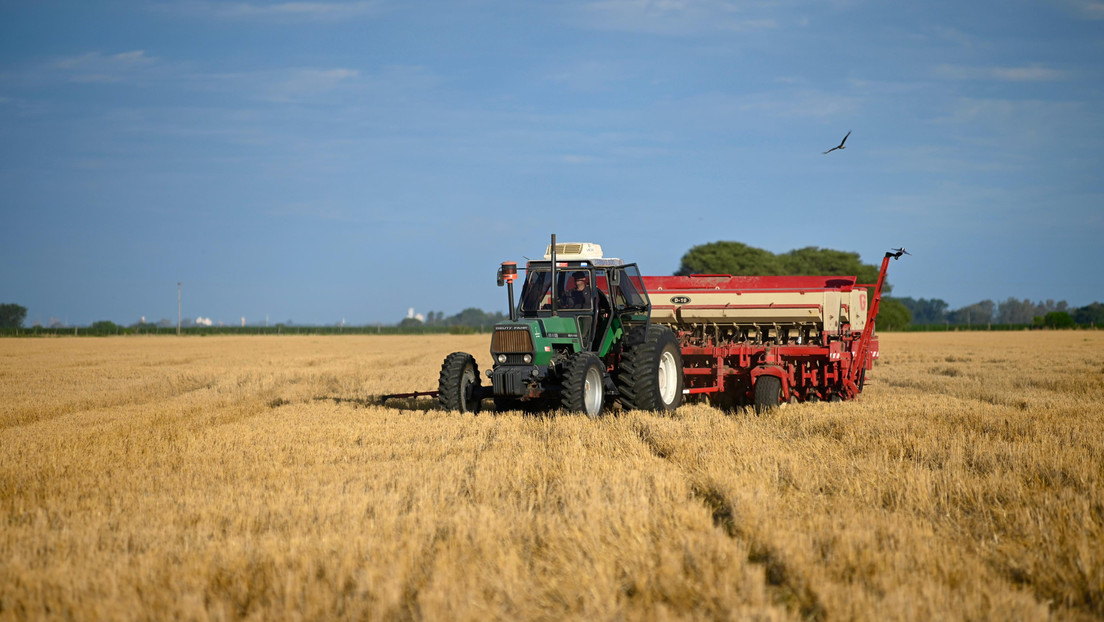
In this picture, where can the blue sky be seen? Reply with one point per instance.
(320, 161)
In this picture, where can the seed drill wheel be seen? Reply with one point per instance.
(458, 385)
(768, 393)
(650, 374)
(582, 389)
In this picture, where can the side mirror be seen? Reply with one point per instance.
(501, 281)
(615, 277)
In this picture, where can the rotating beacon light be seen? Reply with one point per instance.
(507, 273)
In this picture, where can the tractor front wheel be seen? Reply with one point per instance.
(458, 385)
(583, 390)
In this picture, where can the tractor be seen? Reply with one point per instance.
(579, 338)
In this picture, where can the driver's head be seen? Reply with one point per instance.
(580, 280)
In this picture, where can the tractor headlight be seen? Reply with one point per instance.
(528, 358)
(501, 358)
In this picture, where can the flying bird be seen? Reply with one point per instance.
(840, 146)
(897, 252)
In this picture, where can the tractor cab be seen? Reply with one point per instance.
(583, 293)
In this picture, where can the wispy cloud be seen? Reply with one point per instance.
(315, 11)
(591, 76)
(1025, 73)
(803, 103)
(674, 17)
(572, 158)
(298, 83)
(105, 68)
(1090, 9)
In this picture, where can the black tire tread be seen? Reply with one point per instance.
(573, 389)
(636, 378)
(768, 392)
(448, 382)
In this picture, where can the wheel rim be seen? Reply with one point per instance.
(592, 391)
(467, 379)
(668, 381)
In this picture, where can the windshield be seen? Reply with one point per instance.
(574, 291)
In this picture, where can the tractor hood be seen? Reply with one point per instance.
(538, 337)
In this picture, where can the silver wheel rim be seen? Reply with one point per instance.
(467, 379)
(592, 391)
(668, 381)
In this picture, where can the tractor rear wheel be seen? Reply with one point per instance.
(583, 390)
(649, 376)
(768, 393)
(458, 385)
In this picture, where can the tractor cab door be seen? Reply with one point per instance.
(580, 298)
(630, 297)
(603, 307)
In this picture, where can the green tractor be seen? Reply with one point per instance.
(578, 338)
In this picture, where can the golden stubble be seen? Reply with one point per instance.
(258, 477)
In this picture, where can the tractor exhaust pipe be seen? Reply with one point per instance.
(554, 301)
(507, 273)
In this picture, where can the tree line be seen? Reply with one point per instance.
(1011, 312)
(738, 259)
(470, 317)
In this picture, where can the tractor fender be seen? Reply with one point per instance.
(773, 370)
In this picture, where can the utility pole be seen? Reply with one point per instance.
(178, 307)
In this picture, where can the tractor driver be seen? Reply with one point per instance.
(578, 298)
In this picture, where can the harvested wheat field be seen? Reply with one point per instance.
(255, 477)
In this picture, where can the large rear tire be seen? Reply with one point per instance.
(458, 387)
(582, 389)
(649, 376)
(768, 393)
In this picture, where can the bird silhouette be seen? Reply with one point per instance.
(840, 146)
(897, 252)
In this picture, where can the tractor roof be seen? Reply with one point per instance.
(581, 251)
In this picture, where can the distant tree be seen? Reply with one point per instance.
(1090, 314)
(104, 326)
(892, 315)
(410, 322)
(1058, 319)
(12, 315)
(739, 259)
(812, 260)
(1042, 308)
(733, 258)
(926, 311)
(1014, 311)
(475, 318)
(975, 314)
